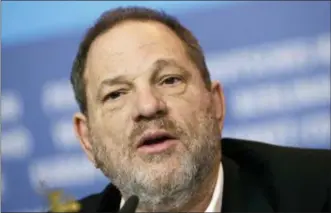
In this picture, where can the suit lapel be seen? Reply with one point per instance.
(110, 200)
(241, 192)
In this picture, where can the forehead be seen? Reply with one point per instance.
(132, 46)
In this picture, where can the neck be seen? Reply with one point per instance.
(200, 201)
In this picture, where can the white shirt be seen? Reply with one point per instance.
(215, 204)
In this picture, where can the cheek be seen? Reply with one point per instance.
(114, 120)
(111, 128)
(189, 107)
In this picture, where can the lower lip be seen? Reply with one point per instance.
(159, 147)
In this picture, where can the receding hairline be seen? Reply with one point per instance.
(124, 22)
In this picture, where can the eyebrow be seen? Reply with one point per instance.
(157, 66)
(161, 64)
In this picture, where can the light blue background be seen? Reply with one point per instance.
(272, 58)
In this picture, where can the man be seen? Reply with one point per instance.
(151, 119)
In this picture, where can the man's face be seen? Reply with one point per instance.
(152, 128)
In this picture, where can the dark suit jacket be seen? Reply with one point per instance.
(258, 178)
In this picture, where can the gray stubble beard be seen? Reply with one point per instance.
(179, 185)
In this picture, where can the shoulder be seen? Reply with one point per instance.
(106, 201)
(90, 202)
(293, 175)
(285, 159)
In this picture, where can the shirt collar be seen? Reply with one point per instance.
(215, 204)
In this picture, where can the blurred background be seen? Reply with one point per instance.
(273, 59)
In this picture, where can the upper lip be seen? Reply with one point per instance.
(150, 135)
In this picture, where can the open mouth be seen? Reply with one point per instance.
(156, 142)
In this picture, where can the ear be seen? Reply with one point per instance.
(82, 133)
(219, 102)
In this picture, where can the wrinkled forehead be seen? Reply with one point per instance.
(132, 47)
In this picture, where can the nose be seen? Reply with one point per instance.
(148, 104)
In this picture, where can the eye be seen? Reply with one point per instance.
(113, 95)
(171, 80)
